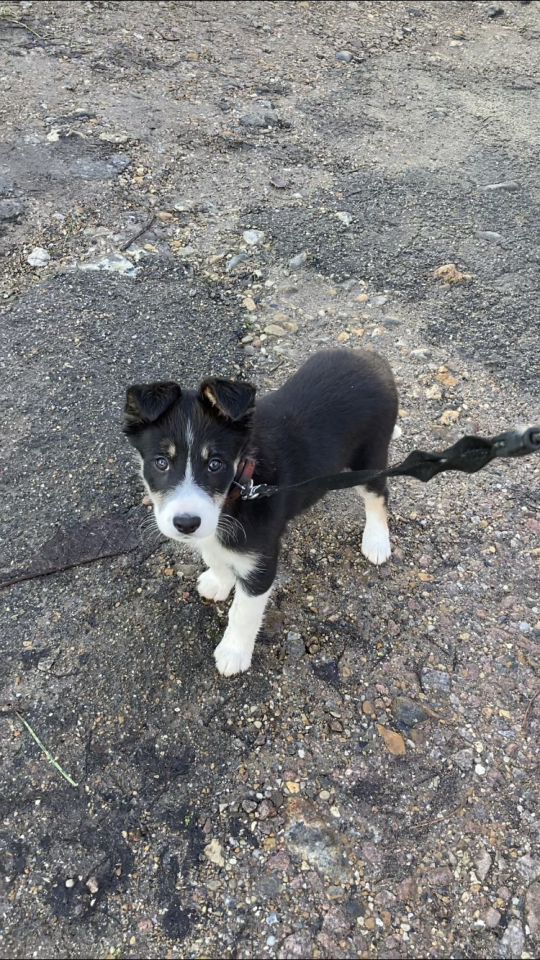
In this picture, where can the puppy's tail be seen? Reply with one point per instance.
(396, 432)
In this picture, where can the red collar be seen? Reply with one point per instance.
(243, 476)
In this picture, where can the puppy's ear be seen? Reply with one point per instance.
(227, 398)
(146, 402)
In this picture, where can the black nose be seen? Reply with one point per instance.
(186, 524)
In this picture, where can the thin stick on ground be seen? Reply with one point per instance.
(19, 23)
(47, 753)
(527, 714)
(139, 233)
(445, 816)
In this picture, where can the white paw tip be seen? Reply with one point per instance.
(376, 549)
(230, 660)
(210, 588)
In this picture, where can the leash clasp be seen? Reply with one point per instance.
(249, 490)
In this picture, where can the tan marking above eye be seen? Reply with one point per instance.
(205, 453)
(169, 449)
(210, 395)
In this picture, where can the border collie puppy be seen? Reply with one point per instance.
(337, 412)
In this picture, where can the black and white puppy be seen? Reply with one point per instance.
(337, 412)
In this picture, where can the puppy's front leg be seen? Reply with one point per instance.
(234, 653)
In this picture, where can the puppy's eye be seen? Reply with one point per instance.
(161, 463)
(215, 464)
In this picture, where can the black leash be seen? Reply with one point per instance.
(468, 455)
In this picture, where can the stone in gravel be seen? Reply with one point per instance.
(492, 918)
(393, 741)
(295, 646)
(408, 889)
(532, 908)
(249, 304)
(528, 868)
(213, 853)
(345, 217)
(234, 261)
(449, 273)
(99, 169)
(490, 236)
(249, 806)
(280, 183)
(344, 55)
(482, 865)
(494, 10)
(422, 353)
(38, 258)
(311, 839)
(92, 884)
(249, 350)
(504, 185)
(257, 121)
(464, 759)
(407, 713)
(440, 876)
(70, 883)
(448, 417)
(290, 326)
(379, 301)
(337, 922)
(266, 809)
(523, 83)
(436, 680)
(512, 942)
(298, 260)
(274, 330)
(298, 945)
(392, 322)
(111, 263)
(11, 209)
(253, 237)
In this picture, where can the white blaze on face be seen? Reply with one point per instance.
(187, 499)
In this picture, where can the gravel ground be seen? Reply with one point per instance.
(291, 175)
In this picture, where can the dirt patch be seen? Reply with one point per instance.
(250, 182)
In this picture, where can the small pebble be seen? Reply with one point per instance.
(492, 918)
(280, 183)
(298, 260)
(494, 10)
(38, 257)
(504, 185)
(70, 883)
(344, 55)
(253, 237)
(295, 645)
(234, 261)
(274, 330)
(345, 217)
(489, 235)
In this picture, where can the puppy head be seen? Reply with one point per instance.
(190, 444)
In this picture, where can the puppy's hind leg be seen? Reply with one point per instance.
(376, 538)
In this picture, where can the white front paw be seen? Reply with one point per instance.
(376, 543)
(232, 656)
(211, 588)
